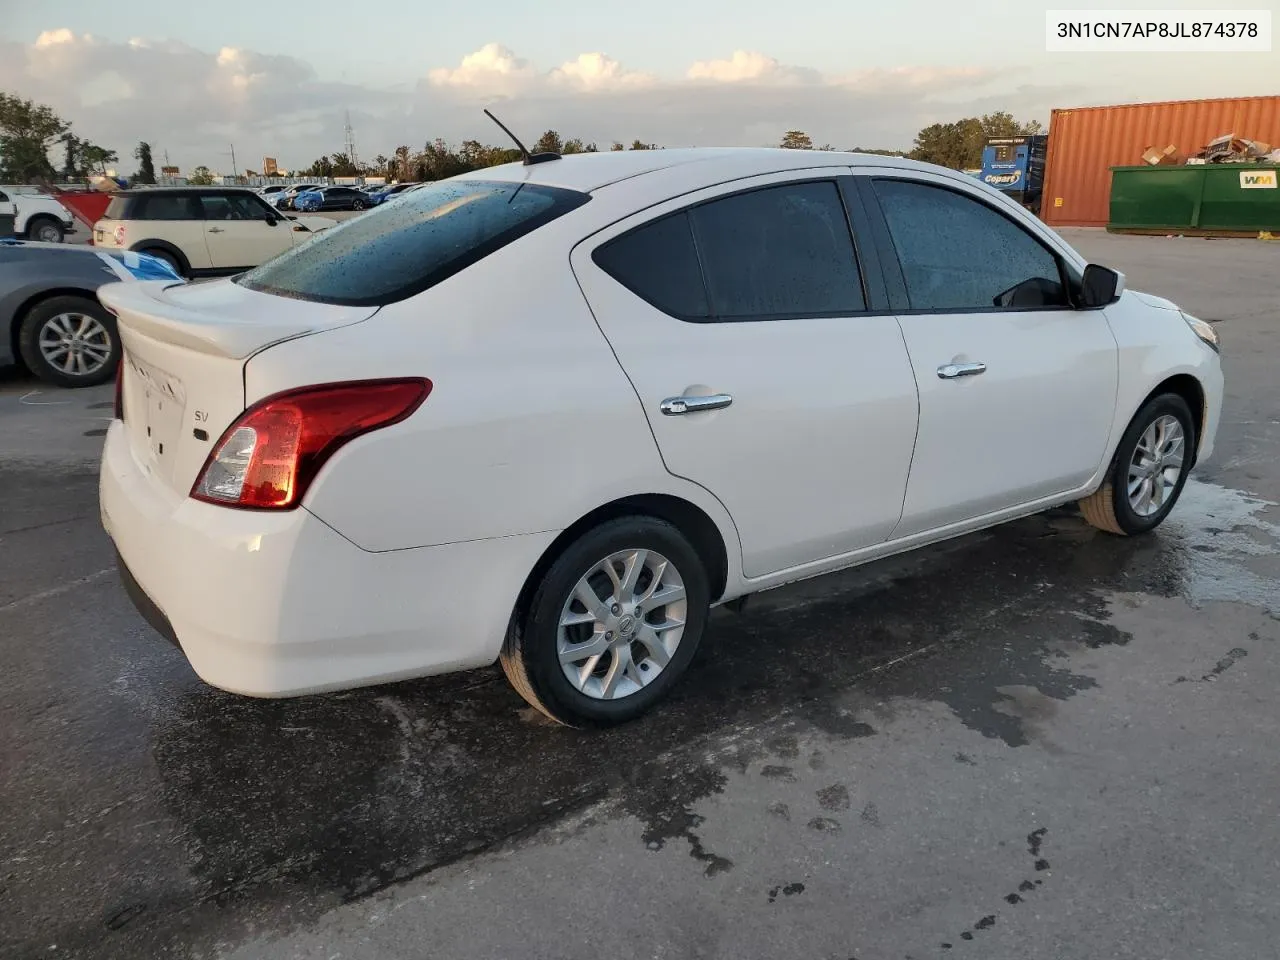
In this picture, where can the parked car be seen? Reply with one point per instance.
(385, 193)
(331, 198)
(37, 216)
(202, 231)
(552, 413)
(50, 319)
(284, 199)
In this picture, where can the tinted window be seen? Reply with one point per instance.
(780, 251)
(401, 249)
(117, 209)
(233, 207)
(159, 206)
(959, 254)
(658, 263)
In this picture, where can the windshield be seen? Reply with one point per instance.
(398, 250)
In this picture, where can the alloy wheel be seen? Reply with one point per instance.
(622, 624)
(75, 343)
(1156, 465)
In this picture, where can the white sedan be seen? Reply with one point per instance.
(551, 413)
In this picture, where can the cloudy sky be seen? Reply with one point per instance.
(194, 79)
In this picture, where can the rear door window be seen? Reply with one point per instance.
(782, 251)
(765, 254)
(397, 251)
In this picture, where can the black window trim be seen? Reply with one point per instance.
(836, 176)
(892, 271)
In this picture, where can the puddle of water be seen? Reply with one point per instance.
(1219, 530)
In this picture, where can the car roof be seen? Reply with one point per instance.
(181, 191)
(589, 172)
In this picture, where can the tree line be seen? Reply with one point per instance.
(29, 132)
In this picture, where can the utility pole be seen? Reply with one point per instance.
(350, 142)
(235, 170)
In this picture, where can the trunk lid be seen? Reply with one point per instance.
(185, 347)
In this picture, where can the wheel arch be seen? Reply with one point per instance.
(35, 219)
(1189, 389)
(690, 519)
(143, 246)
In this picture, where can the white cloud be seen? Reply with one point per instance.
(492, 68)
(54, 38)
(194, 103)
(598, 71)
(751, 66)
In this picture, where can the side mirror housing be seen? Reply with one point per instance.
(1100, 286)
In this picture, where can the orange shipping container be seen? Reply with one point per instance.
(1086, 142)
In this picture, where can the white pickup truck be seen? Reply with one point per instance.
(37, 216)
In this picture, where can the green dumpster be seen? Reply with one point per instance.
(1213, 198)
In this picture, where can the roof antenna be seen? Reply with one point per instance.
(529, 158)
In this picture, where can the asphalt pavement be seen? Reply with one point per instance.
(1035, 743)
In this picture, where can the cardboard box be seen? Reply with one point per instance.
(1156, 158)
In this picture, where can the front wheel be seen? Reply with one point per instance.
(70, 341)
(357, 204)
(1149, 471)
(46, 230)
(612, 626)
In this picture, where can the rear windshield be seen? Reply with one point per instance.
(395, 251)
(117, 208)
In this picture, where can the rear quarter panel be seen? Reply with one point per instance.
(531, 423)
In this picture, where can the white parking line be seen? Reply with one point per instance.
(54, 591)
(39, 403)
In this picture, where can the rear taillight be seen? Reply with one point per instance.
(268, 457)
(118, 412)
(119, 235)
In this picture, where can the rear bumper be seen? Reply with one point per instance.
(275, 605)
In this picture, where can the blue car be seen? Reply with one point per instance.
(308, 201)
(386, 193)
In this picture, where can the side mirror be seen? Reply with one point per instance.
(1099, 286)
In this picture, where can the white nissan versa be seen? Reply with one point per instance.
(552, 412)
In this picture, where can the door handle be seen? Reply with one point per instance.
(215, 229)
(675, 406)
(950, 371)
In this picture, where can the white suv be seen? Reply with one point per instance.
(202, 232)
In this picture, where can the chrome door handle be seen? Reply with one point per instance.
(215, 229)
(675, 406)
(949, 371)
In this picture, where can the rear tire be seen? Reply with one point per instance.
(631, 658)
(1149, 470)
(62, 334)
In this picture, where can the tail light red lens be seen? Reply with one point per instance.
(268, 457)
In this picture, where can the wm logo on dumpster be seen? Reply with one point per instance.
(1258, 180)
